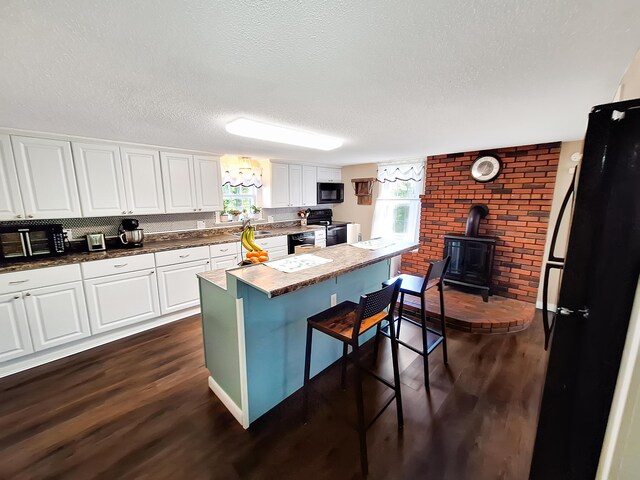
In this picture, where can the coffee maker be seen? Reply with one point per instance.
(129, 233)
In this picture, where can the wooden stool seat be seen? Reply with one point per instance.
(412, 284)
(339, 321)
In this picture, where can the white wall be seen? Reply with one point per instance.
(349, 210)
(563, 181)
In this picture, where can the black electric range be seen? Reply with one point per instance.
(336, 231)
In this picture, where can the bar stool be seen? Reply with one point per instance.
(417, 286)
(346, 322)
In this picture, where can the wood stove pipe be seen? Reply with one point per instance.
(477, 212)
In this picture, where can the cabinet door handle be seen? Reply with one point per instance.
(130, 211)
(120, 265)
(152, 272)
(18, 216)
(17, 297)
(29, 216)
(184, 256)
(124, 212)
(17, 282)
(27, 294)
(195, 209)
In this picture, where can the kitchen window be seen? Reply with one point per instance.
(397, 211)
(238, 198)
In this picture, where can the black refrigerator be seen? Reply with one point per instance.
(599, 279)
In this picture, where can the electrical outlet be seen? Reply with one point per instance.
(334, 299)
(67, 233)
(200, 224)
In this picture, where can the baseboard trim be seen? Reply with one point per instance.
(235, 410)
(40, 358)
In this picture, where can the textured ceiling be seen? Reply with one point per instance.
(394, 79)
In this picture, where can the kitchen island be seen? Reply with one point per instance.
(254, 322)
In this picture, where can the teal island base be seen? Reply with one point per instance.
(254, 342)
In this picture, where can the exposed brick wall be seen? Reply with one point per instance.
(519, 202)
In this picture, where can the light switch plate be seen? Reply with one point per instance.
(200, 224)
(68, 233)
(334, 299)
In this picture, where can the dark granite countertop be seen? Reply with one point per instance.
(153, 243)
(344, 258)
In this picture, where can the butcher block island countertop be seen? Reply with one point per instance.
(344, 258)
(254, 322)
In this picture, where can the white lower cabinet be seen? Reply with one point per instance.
(15, 339)
(225, 262)
(178, 285)
(56, 315)
(119, 300)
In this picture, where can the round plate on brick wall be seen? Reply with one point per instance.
(486, 168)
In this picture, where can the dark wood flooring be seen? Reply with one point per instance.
(140, 408)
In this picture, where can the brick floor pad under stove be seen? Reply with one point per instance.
(466, 311)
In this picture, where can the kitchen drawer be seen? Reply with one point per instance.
(40, 277)
(278, 252)
(272, 242)
(224, 249)
(100, 268)
(321, 234)
(181, 256)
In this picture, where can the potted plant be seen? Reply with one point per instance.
(224, 215)
(255, 212)
(235, 214)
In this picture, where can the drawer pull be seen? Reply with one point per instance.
(120, 265)
(17, 282)
(184, 256)
(224, 249)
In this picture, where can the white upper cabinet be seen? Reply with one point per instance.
(179, 182)
(208, 183)
(142, 180)
(46, 177)
(276, 193)
(100, 179)
(295, 185)
(15, 340)
(309, 186)
(10, 200)
(329, 174)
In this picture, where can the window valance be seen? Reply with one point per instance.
(392, 172)
(241, 172)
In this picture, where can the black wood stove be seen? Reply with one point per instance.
(471, 263)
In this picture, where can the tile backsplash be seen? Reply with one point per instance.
(167, 222)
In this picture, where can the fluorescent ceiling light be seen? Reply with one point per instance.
(275, 133)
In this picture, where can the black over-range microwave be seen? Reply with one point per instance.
(330, 192)
(22, 242)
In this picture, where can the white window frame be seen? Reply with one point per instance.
(383, 218)
(253, 197)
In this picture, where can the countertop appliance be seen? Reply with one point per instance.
(336, 231)
(96, 242)
(599, 278)
(330, 193)
(22, 242)
(297, 239)
(129, 233)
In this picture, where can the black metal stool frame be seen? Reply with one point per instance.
(434, 277)
(369, 305)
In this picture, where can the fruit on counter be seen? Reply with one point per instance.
(247, 240)
(257, 257)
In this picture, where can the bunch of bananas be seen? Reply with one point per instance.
(254, 253)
